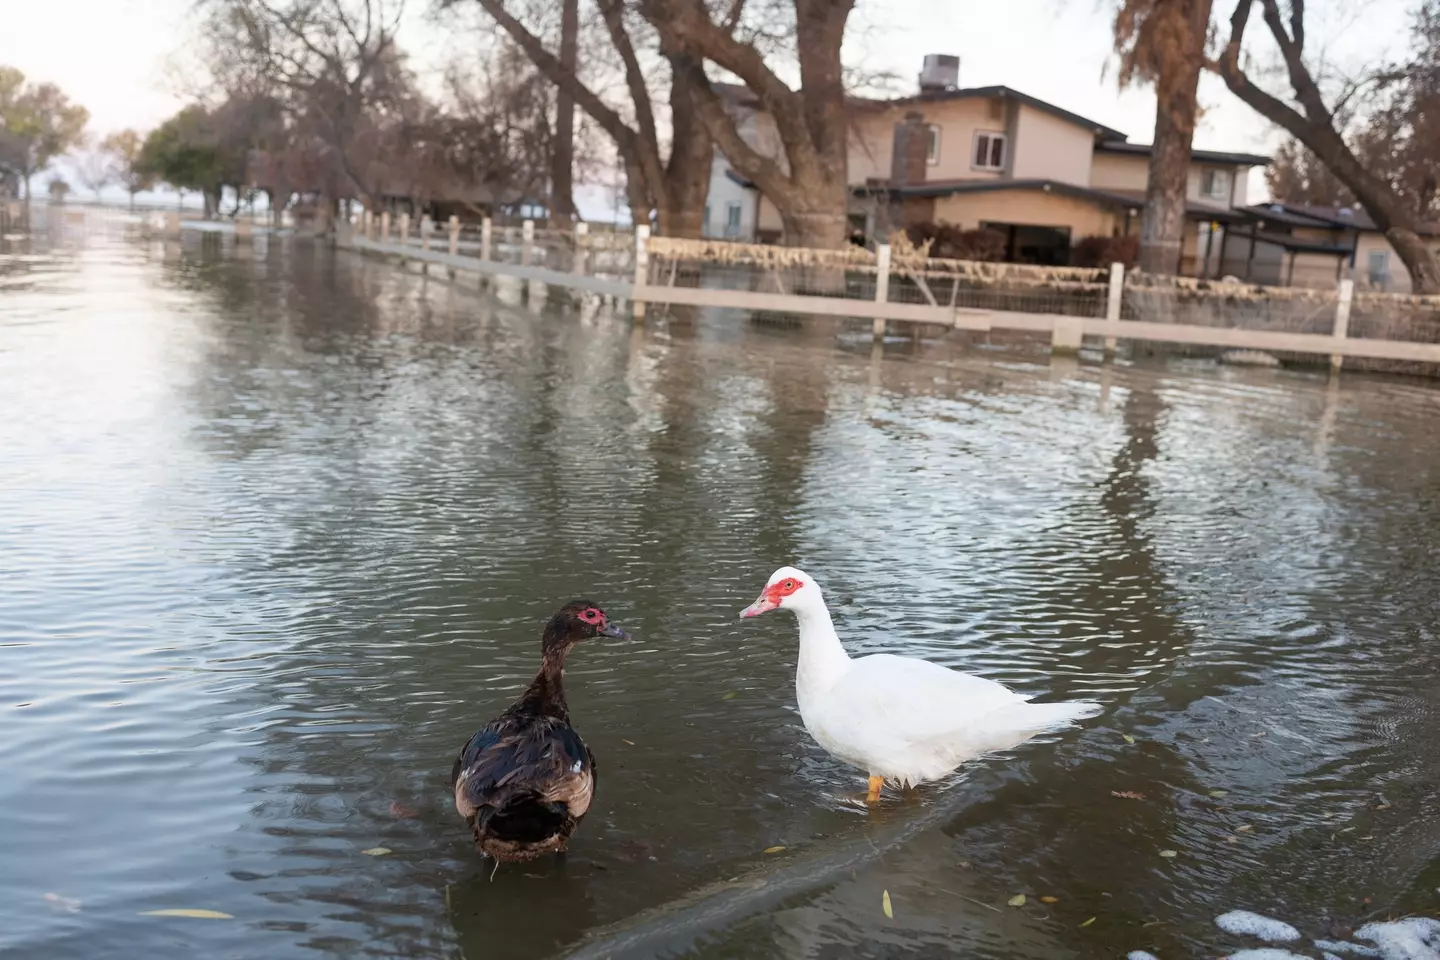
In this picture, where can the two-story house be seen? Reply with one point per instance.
(994, 158)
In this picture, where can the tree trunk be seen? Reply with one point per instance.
(1162, 225)
(821, 229)
(562, 157)
(692, 154)
(27, 201)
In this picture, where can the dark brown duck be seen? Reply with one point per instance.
(524, 782)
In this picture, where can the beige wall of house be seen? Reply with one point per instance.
(1048, 148)
(1029, 207)
(1118, 171)
(872, 141)
(767, 220)
(959, 121)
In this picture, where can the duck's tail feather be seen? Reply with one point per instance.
(1039, 717)
(526, 819)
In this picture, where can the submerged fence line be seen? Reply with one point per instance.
(884, 286)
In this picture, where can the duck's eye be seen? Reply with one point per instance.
(788, 584)
(592, 615)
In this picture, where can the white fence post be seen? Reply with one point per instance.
(882, 285)
(1113, 301)
(426, 227)
(385, 227)
(172, 224)
(582, 230)
(1342, 319)
(454, 235)
(527, 237)
(642, 269)
(485, 239)
(405, 228)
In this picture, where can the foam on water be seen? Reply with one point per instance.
(1254, 925)
(1265, 953)
(1414, 938)
(1353, 949)
(1140, 955)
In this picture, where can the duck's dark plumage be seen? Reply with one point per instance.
(525, 781)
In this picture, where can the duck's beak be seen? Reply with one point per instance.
(762, 605)
(614, 630)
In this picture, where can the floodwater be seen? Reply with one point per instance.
(278, 530)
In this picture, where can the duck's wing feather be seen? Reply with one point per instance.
(916, 698)
(524, 758)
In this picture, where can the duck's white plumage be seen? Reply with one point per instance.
(898, 717)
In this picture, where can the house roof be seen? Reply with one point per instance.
(1203, 156)
(1126, 199)
(1001, 93)
(1295, 245)
(1326, 218)
(736, 178)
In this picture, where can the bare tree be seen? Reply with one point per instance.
(335, 63)
(1296, 175)
(674, 187)
(1163, 42)
(1312, 121)
(95, 169)
(123, 149)
(808, 184)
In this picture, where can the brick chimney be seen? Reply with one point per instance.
(911, 152)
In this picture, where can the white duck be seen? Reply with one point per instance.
(898, 718)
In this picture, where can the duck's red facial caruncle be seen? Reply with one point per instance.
(595, 623)
(773, 596)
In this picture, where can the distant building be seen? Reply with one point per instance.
(1044, 178)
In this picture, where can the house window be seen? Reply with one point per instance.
(1379, 267)
(732, 219)
(1215, 184)
(932, 152)
(989, 151)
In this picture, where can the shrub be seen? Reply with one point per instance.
(950, 242)
(1103, 251)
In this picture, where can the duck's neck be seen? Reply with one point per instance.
(546, 693)
(822, 659)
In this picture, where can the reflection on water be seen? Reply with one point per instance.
(278, 531)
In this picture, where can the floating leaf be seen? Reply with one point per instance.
(885, 904)
(1244, 828)
(1049, 899)
(730, 695)
(1127, 794)
(1383, 806)
(1088, 922)
(1169, 854)
(630, 742)
(192, 914)
(1217, 794)
(773, 849)
(1127, 738)
(400, 811)
(376, 851)
(1017, 901)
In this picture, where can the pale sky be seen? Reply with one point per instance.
(117, 56)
